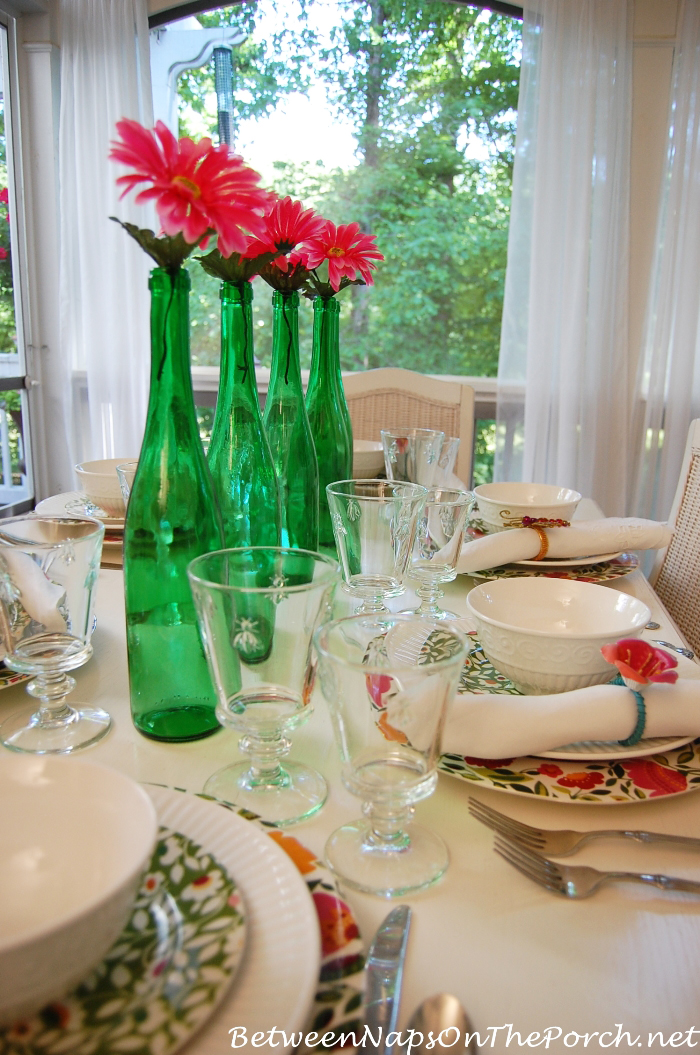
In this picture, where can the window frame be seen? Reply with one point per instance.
(19, 381)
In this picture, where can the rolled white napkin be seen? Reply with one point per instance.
(499, 726)
(40, 598)
(585, 538)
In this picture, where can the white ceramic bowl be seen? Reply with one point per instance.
(510, 501)
(546, 634)
(75, 839)
(100, 483)
(367, 459)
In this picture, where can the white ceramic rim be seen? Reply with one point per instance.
(89, 906)
(574, 496)
(270, 989)
(578, 636)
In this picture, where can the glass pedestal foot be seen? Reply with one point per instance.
(414, 860)
(292, 797)
(73, 729)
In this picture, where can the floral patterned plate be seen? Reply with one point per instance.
(593, 572)
(168, 970)
(663, 771)
(338, 1001)
(11, 677)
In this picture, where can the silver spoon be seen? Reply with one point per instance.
(676, 648)
(443, 1011)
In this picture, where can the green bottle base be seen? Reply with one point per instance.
(181, 722)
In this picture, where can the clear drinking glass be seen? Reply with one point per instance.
(257, 609)
(446, 461)
(48, 572)
(387, 688)
(412, 455)
(438, 546)
(374, 523)
(126, 473)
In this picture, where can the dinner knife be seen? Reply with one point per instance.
(384, 974)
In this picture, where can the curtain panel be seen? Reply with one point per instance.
(565, 397)
(669, 380)
(105, 75)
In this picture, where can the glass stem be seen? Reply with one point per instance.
(372, 606)
(430, 593)
(386, 826)
(51, 691)
(265, 754)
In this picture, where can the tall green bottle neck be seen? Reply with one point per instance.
(237, 372)
(286, 370)
(325, 358)
(170, 331)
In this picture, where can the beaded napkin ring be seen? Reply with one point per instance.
(537, 524)
(638, 731)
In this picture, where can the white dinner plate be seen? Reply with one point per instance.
(276, 983)
(569, 562)
(75, 504)
(608, 750)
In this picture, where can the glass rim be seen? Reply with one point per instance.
(418, 490)
(331, 574)
(371, 668)
(62, 517)
(410, 432)
(461, 497)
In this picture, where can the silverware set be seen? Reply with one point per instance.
(384, 975)
(522, 846)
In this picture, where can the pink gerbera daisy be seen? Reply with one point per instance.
(640, 662)
(287, 224)
(347, 251)
(198, 188)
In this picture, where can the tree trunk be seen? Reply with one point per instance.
(375, 84)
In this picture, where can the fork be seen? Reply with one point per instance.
(562, 843)
(578, 881)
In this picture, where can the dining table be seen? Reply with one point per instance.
(618, 970)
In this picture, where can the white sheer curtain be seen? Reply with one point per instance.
(564, 390)
(669, 380)
(105, 75)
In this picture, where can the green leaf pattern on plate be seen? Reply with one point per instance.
(161, 979)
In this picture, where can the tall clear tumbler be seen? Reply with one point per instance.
(388, 686)
(257, 609)
(374, 523)
(48, 573)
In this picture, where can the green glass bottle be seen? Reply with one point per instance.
(239, 455)
(288, 430)
(328, 412)
(172, 517)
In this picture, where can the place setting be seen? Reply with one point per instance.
(106, 485)
(592, 551)
(207, 907)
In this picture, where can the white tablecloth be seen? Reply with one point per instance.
(511, 952)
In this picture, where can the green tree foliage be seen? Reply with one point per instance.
(431, 88)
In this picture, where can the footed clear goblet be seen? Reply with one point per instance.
(438, 546)
(412, 454)
(48, 571)
(388, 687)
(257, 609)
(374, 523)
